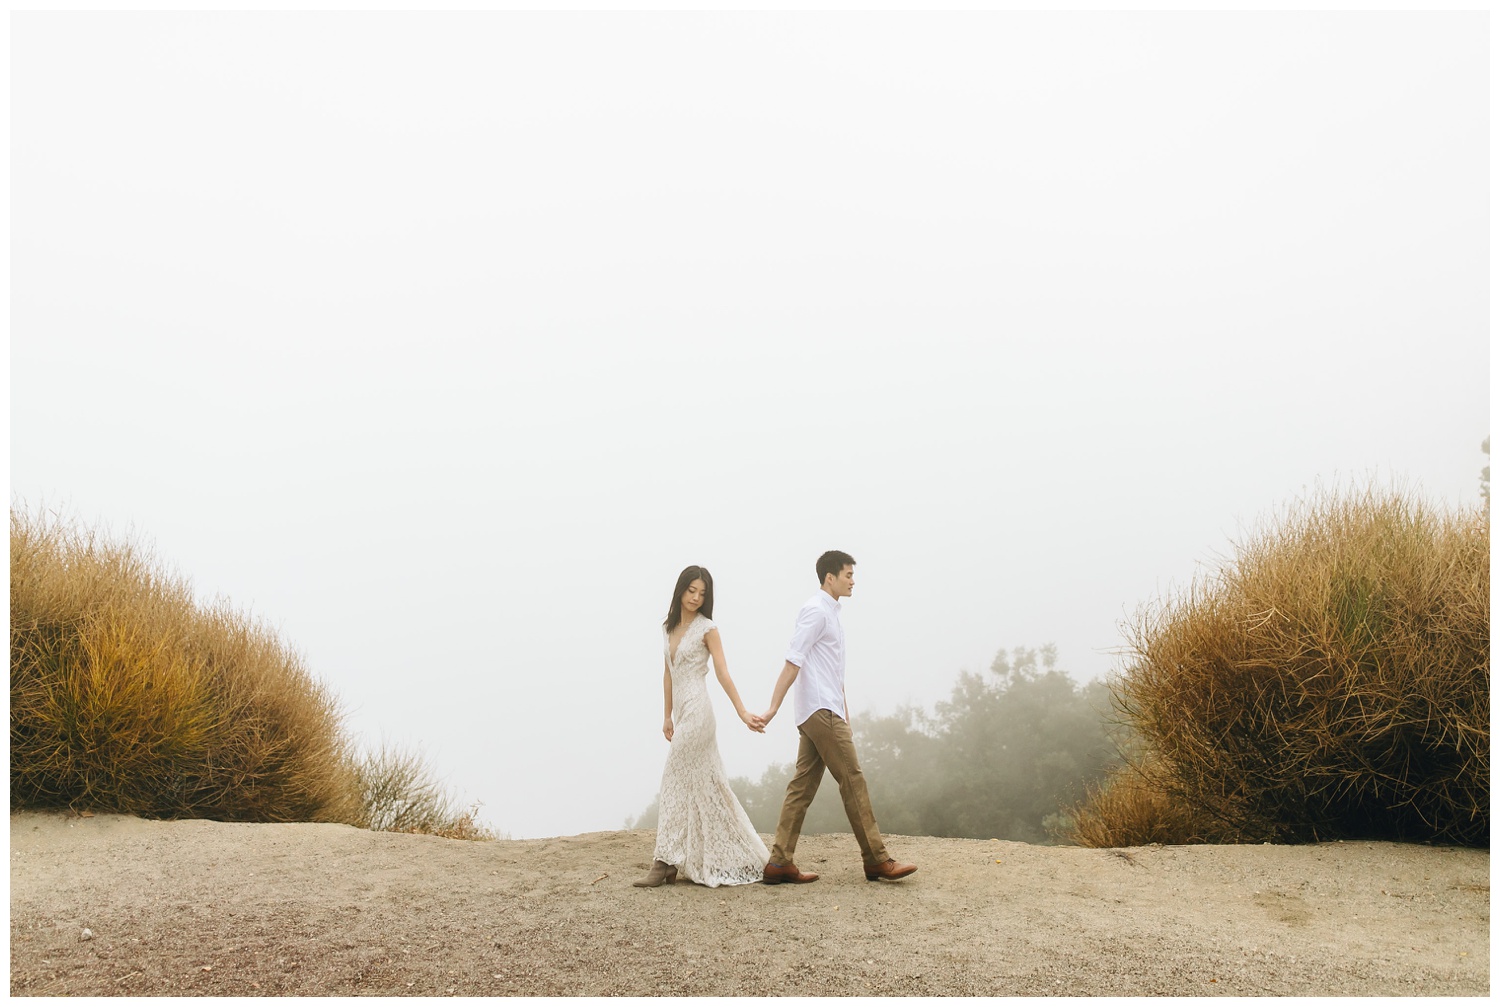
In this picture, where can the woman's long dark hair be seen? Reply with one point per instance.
(686, 577)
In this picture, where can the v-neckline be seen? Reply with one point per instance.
(672, 651)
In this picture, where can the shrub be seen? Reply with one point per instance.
(128, 697)
(1332, 680)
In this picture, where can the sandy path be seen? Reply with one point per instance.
(212, 908)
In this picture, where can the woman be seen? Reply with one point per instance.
(701, 828)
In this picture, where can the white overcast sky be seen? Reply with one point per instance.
(442, 342)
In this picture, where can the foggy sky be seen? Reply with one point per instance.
(442, 343)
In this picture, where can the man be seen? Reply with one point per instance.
(815, 661)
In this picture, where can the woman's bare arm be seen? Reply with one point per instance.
(666, 688)
(721, 671)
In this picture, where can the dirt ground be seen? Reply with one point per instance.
(116, 905)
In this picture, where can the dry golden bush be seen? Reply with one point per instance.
(127, 696)
(1332, 680)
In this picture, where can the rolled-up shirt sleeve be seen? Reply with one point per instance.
(810, 623)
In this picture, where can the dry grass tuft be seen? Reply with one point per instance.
(1331, 681)
(1131, 807)
(399, 792)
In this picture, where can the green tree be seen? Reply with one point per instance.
(1484, 475)
(1015, 747)
(998, 759)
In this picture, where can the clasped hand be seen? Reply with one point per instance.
(754, 721)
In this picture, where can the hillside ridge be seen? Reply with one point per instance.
(213, 908)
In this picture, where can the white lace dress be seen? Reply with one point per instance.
(701, 827)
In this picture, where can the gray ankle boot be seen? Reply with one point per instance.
(661, 874)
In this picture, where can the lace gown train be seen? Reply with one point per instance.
(701, 827)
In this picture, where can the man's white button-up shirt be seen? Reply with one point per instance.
(817, 648)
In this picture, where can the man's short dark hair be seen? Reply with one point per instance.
(832, 562)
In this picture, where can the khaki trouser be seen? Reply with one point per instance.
(827, 741)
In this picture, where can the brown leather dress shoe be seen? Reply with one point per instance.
(776, 874)
(890, 870)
